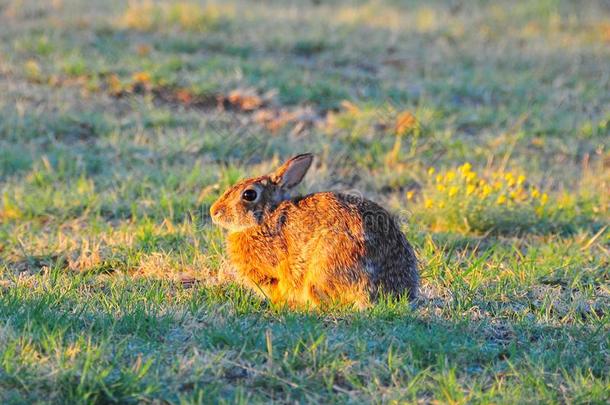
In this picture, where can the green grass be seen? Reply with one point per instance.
(114, 285)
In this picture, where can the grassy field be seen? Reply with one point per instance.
(485, 126)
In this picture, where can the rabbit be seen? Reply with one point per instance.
(321, 248)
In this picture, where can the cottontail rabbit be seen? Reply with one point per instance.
(319, 248)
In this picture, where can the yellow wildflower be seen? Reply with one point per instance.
(410, 194)
(521, 179)
(535, 193)
(544, 198)
(428, 203)
(441, 204)
(431, 171)
(453, 190)
(440, 187)
(486, 190)
(471, 176)
(514, 194)
(450, 175)
(470, 189)
(465, 168)
(501, 199)
(439, 178)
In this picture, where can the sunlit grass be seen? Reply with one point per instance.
(483, 127)
(189, 16)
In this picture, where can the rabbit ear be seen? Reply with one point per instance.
(292, 171)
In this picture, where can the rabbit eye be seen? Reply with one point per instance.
(249, 195)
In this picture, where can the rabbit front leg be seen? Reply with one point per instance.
(278, 291)
(252, 264)
(262, 284)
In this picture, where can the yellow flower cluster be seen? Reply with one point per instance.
(455, 187)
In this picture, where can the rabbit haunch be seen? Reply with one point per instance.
(319, 248)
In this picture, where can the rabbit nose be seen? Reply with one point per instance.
(216, 211)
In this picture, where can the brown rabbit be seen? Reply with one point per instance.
(319, 248)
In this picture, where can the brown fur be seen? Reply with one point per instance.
(320, 248)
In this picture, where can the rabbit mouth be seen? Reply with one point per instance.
(229, 226)
(221, 223)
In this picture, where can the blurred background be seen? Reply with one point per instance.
(146, 103)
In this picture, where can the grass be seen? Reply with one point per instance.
(120, 123)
